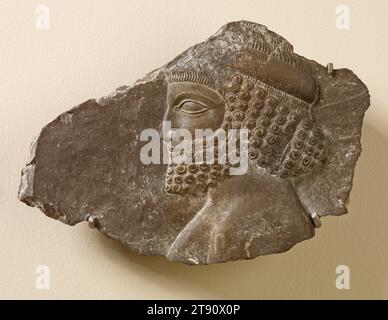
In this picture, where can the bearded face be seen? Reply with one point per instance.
(197, 176)
(283, 138)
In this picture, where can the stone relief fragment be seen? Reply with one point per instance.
(279, 144)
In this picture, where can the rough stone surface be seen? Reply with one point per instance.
(305, 127)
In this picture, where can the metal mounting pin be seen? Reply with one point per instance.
(330, 69)
(316, 220)
(92, 222)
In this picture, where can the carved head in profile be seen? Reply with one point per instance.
(269, 92)
(298, 125)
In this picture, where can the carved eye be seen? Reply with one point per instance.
(192, 107)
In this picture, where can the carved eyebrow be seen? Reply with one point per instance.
(190, 76)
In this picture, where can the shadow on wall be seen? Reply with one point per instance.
(358, 240)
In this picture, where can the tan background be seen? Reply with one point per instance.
(93, 47)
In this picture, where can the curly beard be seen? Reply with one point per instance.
(196, 177)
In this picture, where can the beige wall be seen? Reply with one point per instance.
(93, 47)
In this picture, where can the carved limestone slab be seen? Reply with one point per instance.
(281, 137)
